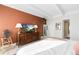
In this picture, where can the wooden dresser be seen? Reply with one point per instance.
(27, 37)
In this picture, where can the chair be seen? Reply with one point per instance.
(6, 39)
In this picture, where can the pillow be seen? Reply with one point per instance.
(76, 48)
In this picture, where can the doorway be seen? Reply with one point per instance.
(45, 28)
(66, 29)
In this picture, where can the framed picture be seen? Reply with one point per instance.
(58, 26)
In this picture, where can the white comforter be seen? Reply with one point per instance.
(46, 47)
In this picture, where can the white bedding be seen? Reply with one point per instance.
(63, 49)
(40, 46)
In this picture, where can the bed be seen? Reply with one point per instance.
(42, 47)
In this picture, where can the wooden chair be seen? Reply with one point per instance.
(6, 39)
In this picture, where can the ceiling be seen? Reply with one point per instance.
(45, 10)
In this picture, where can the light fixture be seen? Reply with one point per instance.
(35, 26)
(18, 26)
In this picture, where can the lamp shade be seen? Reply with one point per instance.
(18, 25)
(35, 26)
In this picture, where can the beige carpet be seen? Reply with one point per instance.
(8, 50)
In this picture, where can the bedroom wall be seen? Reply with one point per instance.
(52, 32)
(74, 25)
(10, 17)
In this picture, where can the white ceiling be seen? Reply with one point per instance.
(44, 10)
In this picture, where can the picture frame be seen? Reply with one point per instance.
(58, 26)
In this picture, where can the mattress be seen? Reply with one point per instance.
(44, 46)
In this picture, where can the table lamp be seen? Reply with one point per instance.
(18, 26)
(35, 26)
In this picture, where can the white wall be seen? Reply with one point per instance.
(51, 22)
(74, 25)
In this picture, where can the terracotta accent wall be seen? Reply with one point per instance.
(9, 17)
